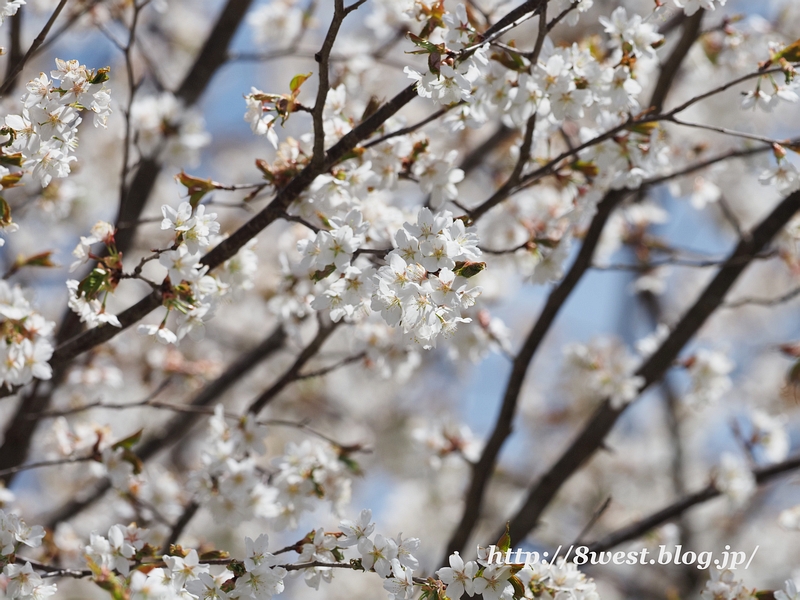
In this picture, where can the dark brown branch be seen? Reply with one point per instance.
(323, 58)
(15, 50)
(293, 372)
(214, 52)
(411, 128)
(788, 296)
(676, 509)
(174, 535)
(594, 432)
(329, 369)
(503, 426)
(14, 72)
(670, 68)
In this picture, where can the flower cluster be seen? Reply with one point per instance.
(309, 472)
(232, 486)
(692, 6)
(87, 298)
(723, 584)
(22, 581)
(602, 369)
(120, 549)
(565, 84)
(44, 134)
(735, 479)
(633, 35)
(166, 129)
(494, 581)
(424, 287)
(230, 483)
(391, 558)
(446, 439)
(196, 293)
(25, 345)
(709, 372)
(276, 23)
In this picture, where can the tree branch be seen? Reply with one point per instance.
(676, 509)
(502, 430)
(593, 434)
(13, 73)
(293, 372)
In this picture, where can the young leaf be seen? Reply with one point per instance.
(297, 81)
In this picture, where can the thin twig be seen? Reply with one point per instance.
(11, 77)
(639, 528)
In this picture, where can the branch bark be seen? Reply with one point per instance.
(482, 470)
(593, 434)
(676, 509)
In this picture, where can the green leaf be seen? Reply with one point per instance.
(468, 268)
(297, 81)
(11, 180)
(129, 456)
(37, 260)
(504, 543)
(323, 273)
(196, 187)
(790, 53)
(425, 44)
(214, 555)
(519, 589)
(351, 464)
(94, 283)
(101, 75)
(5, 212)
(129, 441)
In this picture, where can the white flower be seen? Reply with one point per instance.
(401, 584)
(458, 576)
(354, 531)
(24, 583)
(602, 369)
(261, 121)
(276, 23)
(492, 583)
(178, 220)
(168, 129)
(770, 436)
(789, 592)
(162, 334)
(182, 570)
(723, 584)
(709, 371)
(261, 583)
(640, 35)
(377, 554)
(182, 265)
(206, 588)
(150, 586)
(438, 177)
(784, 176)
(405, 549)
(256, 552)
(735, 479)
(118, 469)
(8, 8)
(692, 6)
(92, 312)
